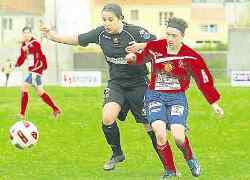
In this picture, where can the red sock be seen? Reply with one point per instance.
(167, 156)
(49, 101)
(186, 149)
(24, 102)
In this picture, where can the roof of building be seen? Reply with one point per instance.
(35, 7)
(145, 2)
(206, 12)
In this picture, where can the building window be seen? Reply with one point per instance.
(204, 28)
(164, 17)
(7, 23)
(10, 24)
(29, 22)
(134, 15)
(213, 28)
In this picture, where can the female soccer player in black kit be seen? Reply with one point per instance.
(127, 84)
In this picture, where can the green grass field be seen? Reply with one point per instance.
(74, 148)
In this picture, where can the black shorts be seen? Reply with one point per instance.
(129, 99)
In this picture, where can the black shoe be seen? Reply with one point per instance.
(110, 164)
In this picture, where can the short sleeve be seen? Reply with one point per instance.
(89, 37)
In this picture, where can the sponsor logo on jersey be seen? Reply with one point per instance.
(168, 67)
(119, 60)
(165, 82)
(144, 34)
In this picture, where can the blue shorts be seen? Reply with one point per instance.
(172, 108)
(33, 79)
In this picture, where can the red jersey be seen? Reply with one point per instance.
(181, 67)
(32, 52)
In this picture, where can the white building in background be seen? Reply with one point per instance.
(66, 18)
(237, 12)
(12, 24)
(14, 15)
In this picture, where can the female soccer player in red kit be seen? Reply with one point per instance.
(173, 64)
(31, 51)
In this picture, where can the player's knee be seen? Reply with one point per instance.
(40, 92)
(110, 113)
(161, 137)
(108, 119)
(179, 138)
(178, 132)
(24, 89)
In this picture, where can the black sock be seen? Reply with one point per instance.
(112, 136)
(153, 139)
(154, 143)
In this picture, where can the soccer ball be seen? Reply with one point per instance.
(23, 134)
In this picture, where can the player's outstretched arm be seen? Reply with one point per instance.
(53, 36)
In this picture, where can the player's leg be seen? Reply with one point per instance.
(7, 79)
(183, 144)
(25, 95)
(45, 97)
(135, 100)
(24, 99)
(156, 116)
(178, 116)
(112, 106)
(159, 127)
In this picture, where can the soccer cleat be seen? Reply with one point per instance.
(110, 164)
(194, 167)
(56, 113)
(169, 175)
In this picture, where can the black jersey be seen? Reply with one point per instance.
(113, 47)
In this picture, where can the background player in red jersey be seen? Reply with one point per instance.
(31, 51)
(173, 64)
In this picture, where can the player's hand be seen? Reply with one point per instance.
(135, 47)
(45, 31)
(217, 109)
(131, 58)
